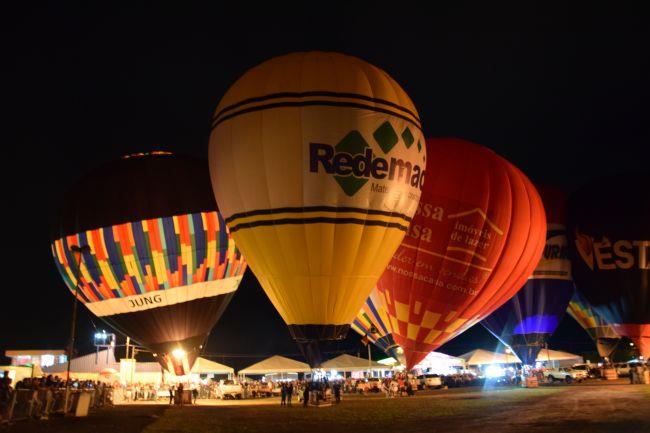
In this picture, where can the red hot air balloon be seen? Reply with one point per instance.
(477, 235)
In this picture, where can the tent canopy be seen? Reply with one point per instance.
(347, 362)
(557, 355)
(204, 366)
(277, 364)
(485, 357)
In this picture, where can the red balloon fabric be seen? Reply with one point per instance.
(477, 235)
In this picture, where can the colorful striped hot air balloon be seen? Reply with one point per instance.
(317, 161)
(610, 221)
(372, 321)
(602, 333)
(477, 235)
(526, 321)
(161, 266)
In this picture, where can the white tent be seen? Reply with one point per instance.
(205, 366)
(439, 363)
(277, 364)
(562, 359)
(347, 362)
(485, 357)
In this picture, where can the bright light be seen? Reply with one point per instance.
(494, 371)
(178, 353)
(631, 344)
(508, 350)
(47, 360)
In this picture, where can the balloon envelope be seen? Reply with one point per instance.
(610, 221)
(372, 321)
(527, 320)
(477, 235)
(161, 265)
(317, 163)
(602, 333)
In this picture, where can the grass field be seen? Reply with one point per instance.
(591, 407)
(552, 409)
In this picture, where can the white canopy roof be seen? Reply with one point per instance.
(204, 366)
(277, 364)
(484, 357)
(347, 362)
(557, 355)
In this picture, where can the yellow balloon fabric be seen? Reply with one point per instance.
(317, 164)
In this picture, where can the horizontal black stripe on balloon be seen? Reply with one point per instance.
(316, 220)
(333, 209)
(285, 95)
(171, 323)
(315, 104)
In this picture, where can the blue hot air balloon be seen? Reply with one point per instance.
(527, 320)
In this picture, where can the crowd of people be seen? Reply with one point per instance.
(40, 397)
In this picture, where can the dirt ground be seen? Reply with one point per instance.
(590, 407)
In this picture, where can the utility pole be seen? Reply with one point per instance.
(78, 254)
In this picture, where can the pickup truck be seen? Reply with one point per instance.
(567, 375)
(229, 389)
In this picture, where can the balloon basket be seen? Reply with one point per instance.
(610, 374)
(530, 382)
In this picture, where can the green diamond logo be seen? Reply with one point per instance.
(385, 136)
(350, 184)
(353, 143)
(407, 137)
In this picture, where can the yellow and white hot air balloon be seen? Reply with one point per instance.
(317, 162)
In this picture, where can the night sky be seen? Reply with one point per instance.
(562, 94)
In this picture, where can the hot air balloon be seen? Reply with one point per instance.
(477, 235)
(372, 321)
(527, 320)
(161, 266)
(610, 220)
(602, 333)
(317, 162)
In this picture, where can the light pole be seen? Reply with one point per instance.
(78, 253)
(507, 362)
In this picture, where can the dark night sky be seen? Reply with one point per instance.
(562, 94)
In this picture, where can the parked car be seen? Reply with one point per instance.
(565, 374)
(428, 381)
(623, 368)
(591, 370)
(229, 389)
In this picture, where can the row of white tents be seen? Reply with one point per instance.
(104, 363)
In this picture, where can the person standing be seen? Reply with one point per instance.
(289, 393)
(633, 374)
(180, 392)
(337, 392)
(171, 394)
(305, 395)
